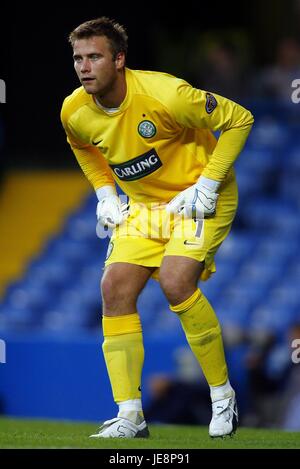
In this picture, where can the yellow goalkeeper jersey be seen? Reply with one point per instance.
(160, 140)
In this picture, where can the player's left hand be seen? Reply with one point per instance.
(198, 201)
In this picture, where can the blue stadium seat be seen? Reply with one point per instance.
(75, 307)
(213, 287)
(267, 213)
(58, 320)
(90, 274)
(259, 270)
(286, 294)
(237, 247)
(151, 302)
(292, 270)
(292, 157)
(273, 317)
(257, 162)
(81, 226)
(226, 270)
(277, 249)
(50, 272)
(164, 323)
(248, 184)
(233, 315)
(28, 296)
(18, 318)
(269, 133)
(289, 187)
(247, 292)
(71, 251)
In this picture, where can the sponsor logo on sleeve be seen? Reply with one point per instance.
(211, 103)
(138, 167)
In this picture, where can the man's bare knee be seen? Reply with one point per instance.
(176, 289)
(120, 286)
(179, 278)
(108, 288)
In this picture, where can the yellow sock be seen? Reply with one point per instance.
(203, 333)
(124, 355)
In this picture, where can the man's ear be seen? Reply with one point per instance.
(120, 60)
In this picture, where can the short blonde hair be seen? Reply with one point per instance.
(113, 31)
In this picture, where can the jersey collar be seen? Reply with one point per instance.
(124, 105)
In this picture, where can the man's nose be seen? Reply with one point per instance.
(85, 66)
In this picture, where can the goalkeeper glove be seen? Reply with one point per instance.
(198, 201)
(110, 212)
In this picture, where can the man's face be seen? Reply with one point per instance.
(94, 64)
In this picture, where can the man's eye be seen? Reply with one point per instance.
(77, 59)
(95, 57)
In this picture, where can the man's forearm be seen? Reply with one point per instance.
(94, 167)
(228, 148)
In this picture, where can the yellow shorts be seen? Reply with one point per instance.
(150, 233)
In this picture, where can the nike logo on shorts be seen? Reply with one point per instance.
(190, 243)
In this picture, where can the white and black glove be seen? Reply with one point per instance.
(198, 201)
(110, 211)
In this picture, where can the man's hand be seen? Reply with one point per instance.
(110, 212)
(198, 201)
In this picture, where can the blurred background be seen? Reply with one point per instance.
(51, 261)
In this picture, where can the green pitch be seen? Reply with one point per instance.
(15, 433)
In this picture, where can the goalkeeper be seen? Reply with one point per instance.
(152, 134)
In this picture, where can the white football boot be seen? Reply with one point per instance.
(224, 417)
(122, 428)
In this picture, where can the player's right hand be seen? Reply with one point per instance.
(110, 211)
